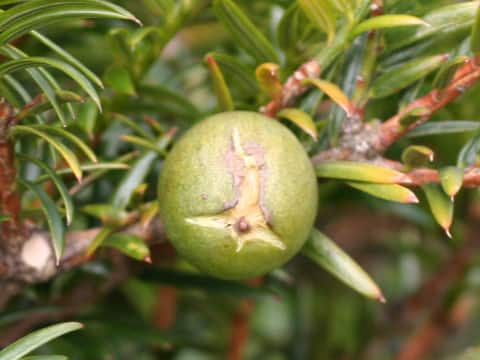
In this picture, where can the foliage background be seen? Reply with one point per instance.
(156, 79)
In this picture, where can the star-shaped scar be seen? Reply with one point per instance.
(245, 218)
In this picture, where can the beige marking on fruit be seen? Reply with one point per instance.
(246, 220)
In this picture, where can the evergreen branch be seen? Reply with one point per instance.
(34, 260)
(293, 88)
(373, 139)
(392, 130)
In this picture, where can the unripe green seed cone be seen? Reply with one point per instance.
(238, 195)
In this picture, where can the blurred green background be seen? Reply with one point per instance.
(155, 79)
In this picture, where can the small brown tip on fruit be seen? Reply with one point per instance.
(242, 225)
(147, 259)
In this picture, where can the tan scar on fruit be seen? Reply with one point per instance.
(245, 218)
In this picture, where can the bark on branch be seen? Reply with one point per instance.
(9, 198)
(33, 260)
(392, 129)
(293, 88)
(373, 139)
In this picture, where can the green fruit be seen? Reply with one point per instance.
(238, 195)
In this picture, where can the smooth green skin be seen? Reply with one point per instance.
(197, 166)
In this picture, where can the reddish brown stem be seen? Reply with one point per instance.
(9, 198)
(240, 325)
(422, 176)
(240, 329)
(392, 129)
(443, 322)
(373, 140)
(433, 297)
(166, 308)
(435, 288)
(292, 88)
